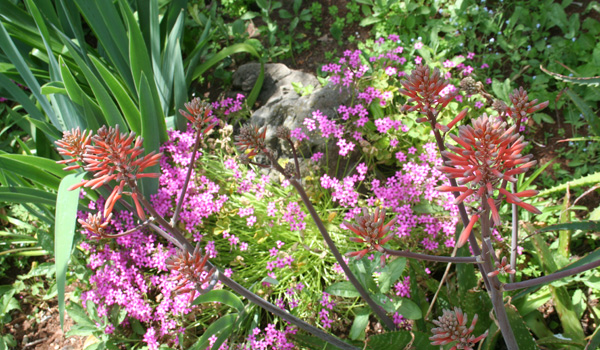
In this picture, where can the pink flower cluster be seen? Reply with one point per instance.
(328, 305)
(202, 198)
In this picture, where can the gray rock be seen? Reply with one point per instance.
(281, 105)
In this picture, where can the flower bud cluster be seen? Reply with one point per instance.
(452, 327)
(424, 88)
(372, 231)
(191, 268)
(200, 115)
(251, 140)
(521, 104)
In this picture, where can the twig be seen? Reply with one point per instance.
(445, 259)
(552, 277)
(187, 180)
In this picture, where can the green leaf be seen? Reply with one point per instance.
(228, 51)
(29, 167)
(81, 318)
(8, 303)
(343, 289)
(26, 195)
(360, 323)
(586, 110)
(151, 118)
(591, 81)
(582, 181)
(399, 340)
(522, 334)
(559, 340)
(594, 342)
(572, 226)
(391, 273)
(64, 231)
(11, 51)
(130, 111)
(222, 296)
(223, 325)
(522, 186)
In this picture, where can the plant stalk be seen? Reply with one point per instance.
(551, 277)
(187, 180)
(336, 253)
(435, 258)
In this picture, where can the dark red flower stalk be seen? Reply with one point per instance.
(521, 104)
(116, 157)
(452, 327)
(191, 268)
(372, 231)
(424, 87)
(200, 115)
(73, 145)
(487, 153)
(251, 140)
(502, 267)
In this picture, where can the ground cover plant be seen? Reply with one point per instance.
(208, 239)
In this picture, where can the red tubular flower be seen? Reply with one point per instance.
(372, 231)
(251, 139)
(521, 104)
(112, 157)
(424, 87)
(191, 268)
(487, 153)
(73, 145)
(200, 115)
(452, 327)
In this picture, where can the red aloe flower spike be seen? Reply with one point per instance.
(486, 155)
(464, 236)
(372, 231)
(201, 115)
(116, 156)
(424, 87)
(252, 140)
(96, 224)
(73, 144)
(521, 104)
(452, 327)
(191, 268)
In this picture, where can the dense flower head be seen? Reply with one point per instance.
(191, 268)
(372, 231)
(200, 115)
(424, 88)
(487, 155)
(96, 224)
(73, 145)
(251, 140)
(521, 104)
(111, 156)
(452, 327)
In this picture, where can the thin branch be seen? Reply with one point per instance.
(241, 290)
(437, 292)
(426, 257)
(515, 235)
(552, 277)
(187, 180)
(336, 253)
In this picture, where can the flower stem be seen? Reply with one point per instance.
(426, 257)
(187, 180)
(552, 277)
(241, 290)
(336, 253)
(514, 236)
